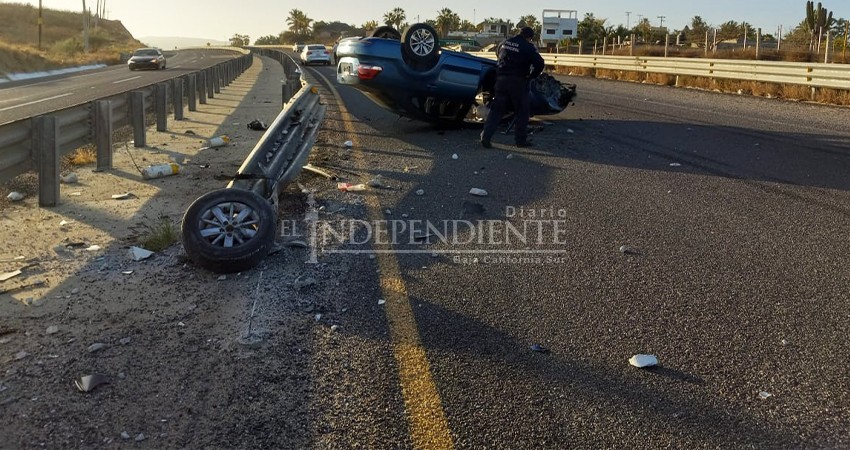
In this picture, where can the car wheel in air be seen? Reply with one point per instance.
(228, 230)
(420, 46)
(387, 32)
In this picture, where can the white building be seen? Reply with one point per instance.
(558, 24)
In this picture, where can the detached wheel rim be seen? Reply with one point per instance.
(422, 42)
(229, 224)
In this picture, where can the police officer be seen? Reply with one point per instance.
(518, 63)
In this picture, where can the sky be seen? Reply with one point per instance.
(221, 19)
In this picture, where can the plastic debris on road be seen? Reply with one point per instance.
(478, 192)
(15, 196)
(9, 275)
(539, 348)
(348, 187)
(675, 165)
(765, 395)
(96, 347)
(257, 125)
(626, 250)
(454, 156)
(161, 170)
(348, 144)
(71, 178)
(139, 254)
(124, 196)
(642, 361)
(219, 141)
(88, 383)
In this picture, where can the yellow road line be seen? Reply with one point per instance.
(428, 425)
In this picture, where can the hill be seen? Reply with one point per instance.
(62, 40)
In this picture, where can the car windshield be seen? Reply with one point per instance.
(146, 52)
(316, 47)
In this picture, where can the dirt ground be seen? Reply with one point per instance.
(172, 340)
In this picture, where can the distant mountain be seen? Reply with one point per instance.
(172, 42)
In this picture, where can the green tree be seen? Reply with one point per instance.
(466, 25)
(268, 40)
(395, 17)
(696, 30)
(729, 30)
(369, 25)
(239, 40)
(299, 23)
(591, 29)
(447, 20)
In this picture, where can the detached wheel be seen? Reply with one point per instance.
(228, 230)
(387, 32)
(420, 45)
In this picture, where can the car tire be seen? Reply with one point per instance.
(420, 46)
(216, 221)
(387, 32)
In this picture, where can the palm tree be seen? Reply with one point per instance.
(298, 22)
(395, 17)
(530, 21)
(447, 20)
(370, 25)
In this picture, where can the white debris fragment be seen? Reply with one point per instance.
(570, 131)
(127, 272)
(765, 395)
(643, 360)
(65, 222)
(420, 192)
(222, 278)
(124, 341)
(125, 435)
(381, 301)
(15, 196)
(52, 329)
(454, 156)
(139, 254)
(510, 156)
(93, 248)
(675, 165)
(478, 192)
(348, 144)
(8, 275)
(71, 178)
(97, 346)
(334, 327)
(21, 355)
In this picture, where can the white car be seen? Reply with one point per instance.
(315, 53)
(297, 47)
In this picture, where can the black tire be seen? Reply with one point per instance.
(387, 32)
(228, 230)
(420, 46)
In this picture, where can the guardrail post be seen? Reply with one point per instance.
(137, 117)
(46, 147)
(177, 98)
(202, 87)
(287, 92)
(161, 107)
(193, 92)
(103, 134)
(217, 79)
(210, 75)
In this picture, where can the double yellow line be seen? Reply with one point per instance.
(426, 418)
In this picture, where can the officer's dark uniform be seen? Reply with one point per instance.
(519, 62)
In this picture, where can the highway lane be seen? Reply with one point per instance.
(20, 100)
(739, 211)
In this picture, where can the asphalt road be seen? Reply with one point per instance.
(22, 99)
(737, 210)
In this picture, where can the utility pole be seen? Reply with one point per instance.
(662, 21)
(41, 22)
(628, 13)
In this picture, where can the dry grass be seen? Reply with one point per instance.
(82, 156)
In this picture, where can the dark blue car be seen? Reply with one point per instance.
(410, 74)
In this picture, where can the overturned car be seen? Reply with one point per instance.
(410, 74)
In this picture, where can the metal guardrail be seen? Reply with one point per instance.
(38, 143)
(283, 150)
(815, 75)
